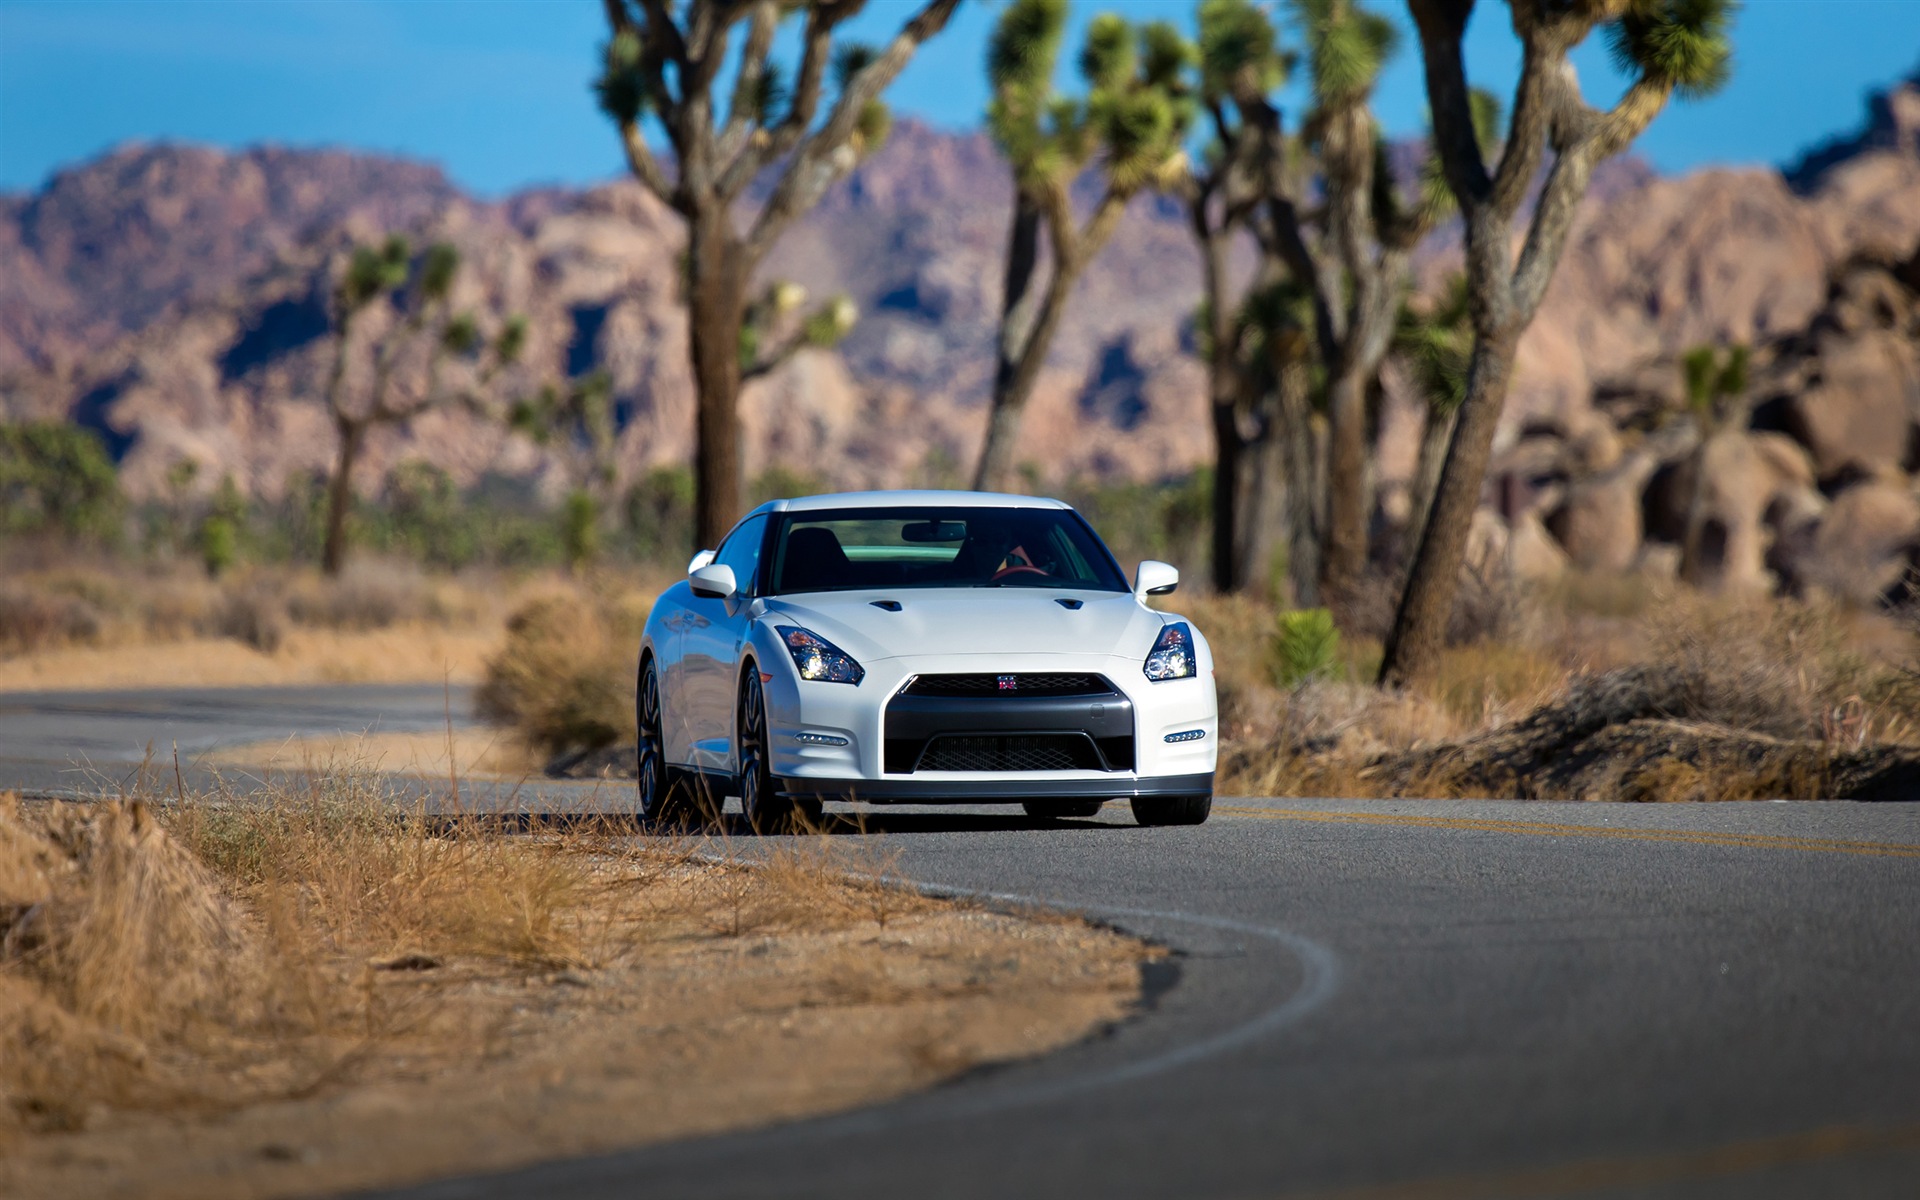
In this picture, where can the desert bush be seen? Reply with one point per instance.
(366, 596)
(1304, 645)
(564, 678)
(36, 619)
(57, 478)
(254, 615)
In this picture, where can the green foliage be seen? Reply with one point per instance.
(831, 322)
(437, 269)
(660, 516)
(219, 544)
(1679, 43)
(373, 272)
(769, 95)
(1347, 45)
(1137, 110)
(57, 478)
(1713, 378)
(461, 335)
(621, 88)
(1435, 343)
(1239, 50)
(219, 535)
(872, 127)
(1305, 645)
(580, 529)
(851, 58)
(1107, 60)
(1025, 45)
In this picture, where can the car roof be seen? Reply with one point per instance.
(910, 499)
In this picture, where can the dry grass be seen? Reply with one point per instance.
(380, 622)
(1754, 668)
(220, 997)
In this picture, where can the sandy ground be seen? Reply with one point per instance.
(423, 653)
(733, 1013)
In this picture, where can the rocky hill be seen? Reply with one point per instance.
(173, 297)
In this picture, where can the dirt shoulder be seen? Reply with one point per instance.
(662, 996)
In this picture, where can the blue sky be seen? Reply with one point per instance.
(496, 90)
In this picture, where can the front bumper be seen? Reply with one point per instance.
(831, 740)
(1000, 789)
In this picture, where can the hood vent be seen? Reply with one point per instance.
(1064, 602)
(889, 605)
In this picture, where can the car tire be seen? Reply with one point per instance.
(766, 810)
(1172, 810)
(665, 800)
(1061, 810)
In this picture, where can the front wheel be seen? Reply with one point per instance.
(665, 799)
(1172, 810)
(767, 811)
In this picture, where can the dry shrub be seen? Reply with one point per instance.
(32, 620)
(564, 679)
(253, 615)
(366, 596)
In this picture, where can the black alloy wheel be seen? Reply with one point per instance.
(1062, 810)
(766, 810)
(664, 799)
(1172, 810)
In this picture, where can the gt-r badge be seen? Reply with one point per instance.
(1009, 683)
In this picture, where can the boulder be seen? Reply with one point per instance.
(1863, 546)
(1741, 477)
(1859, 410)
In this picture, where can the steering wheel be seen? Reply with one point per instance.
(1017, 569)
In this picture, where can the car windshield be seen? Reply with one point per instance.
(852, 549)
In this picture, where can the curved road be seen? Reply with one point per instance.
(1411, 999)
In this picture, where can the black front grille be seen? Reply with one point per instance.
(1012, 685)
(1013, 752)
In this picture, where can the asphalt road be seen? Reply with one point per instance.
(1406, 999)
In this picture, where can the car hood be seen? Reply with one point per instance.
(982, 621)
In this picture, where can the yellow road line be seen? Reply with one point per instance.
(1750, 841)
(1596, 1174)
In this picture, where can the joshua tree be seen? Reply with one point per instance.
(1668, 46)
(423, 327)
(1241, 63)
(663, 64)
(1716, 387)
(1133, 121)
(1434, 341)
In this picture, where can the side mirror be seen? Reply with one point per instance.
(1155, 579)
(713, 582)
(699, 560)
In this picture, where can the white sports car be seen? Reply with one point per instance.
(922, 647)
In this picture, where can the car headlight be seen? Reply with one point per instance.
(819, 659)
(1172, 655)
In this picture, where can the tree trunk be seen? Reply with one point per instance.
(1305, 474)
(1349, 511)
(716, 307)
(1224, 383)
(1010, 395)
(1434, 439)
(1019, 330)
(1420, 625)
(353, 435)
(1263, 522)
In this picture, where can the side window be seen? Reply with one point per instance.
(741, 551)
